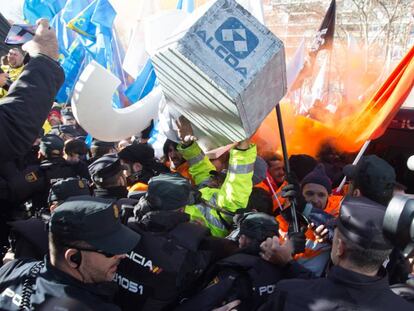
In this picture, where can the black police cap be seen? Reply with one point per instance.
(168, 191)
(99, 143)
(51, 145)
(106, 166)
(373, 175)
(95, 221)
(63, 189)
(360, 221)
(258, 226)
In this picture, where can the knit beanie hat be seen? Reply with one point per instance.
(318, 176)
(301, 165)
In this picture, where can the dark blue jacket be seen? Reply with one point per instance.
(52, 287)
(341, 290)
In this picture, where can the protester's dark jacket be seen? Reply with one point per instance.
(51, 283)
(24, 110)
(164, 265)
(243, 276)
(341, 290)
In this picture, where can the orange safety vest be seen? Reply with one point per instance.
(270, 186)
(332, 207)
(138, 187)
(183, 169)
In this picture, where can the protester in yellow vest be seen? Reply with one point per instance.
(13, 68)
(219, 202)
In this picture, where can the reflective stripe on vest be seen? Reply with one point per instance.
(196, 159)
(206, 211)
(241, 168)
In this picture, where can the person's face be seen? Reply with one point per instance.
(15, 58)
(315, 194)
(54, 120)
(277, 171)
(97, 268)
(174, 157)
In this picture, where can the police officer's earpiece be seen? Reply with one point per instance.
(76, 258)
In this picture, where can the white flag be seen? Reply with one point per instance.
(295, 65)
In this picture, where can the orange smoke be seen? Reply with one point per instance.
(354, 121)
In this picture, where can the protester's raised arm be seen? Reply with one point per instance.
(24, 110)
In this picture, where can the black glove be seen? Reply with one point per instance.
(298, 240)
(293, 192)
(145, 133)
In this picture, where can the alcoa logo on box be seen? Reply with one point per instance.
(232, 41)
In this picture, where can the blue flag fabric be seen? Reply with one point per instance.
(35, 9)
(71, 52)
(94, 26)
(72, 66)
(143, 84)
(188, 3)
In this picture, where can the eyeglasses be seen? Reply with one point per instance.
(107, 255)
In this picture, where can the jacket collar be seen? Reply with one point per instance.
(354, 279)
(117, 193)
(104, 290)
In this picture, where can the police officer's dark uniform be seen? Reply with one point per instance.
(28, 237)
(360, 221)
(87, 219)
(52, 169)
(245, 275)
(107, 168)
(170, 258)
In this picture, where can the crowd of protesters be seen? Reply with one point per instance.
(111, 227)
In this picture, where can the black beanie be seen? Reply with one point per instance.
(318, 176)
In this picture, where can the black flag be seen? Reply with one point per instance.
(325, 35)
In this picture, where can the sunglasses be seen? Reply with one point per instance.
(107, 255)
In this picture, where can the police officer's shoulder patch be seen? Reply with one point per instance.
(31, 177)
(116, 211)
(81, 184)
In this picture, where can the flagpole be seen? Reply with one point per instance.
(286, 162)
(358, 157)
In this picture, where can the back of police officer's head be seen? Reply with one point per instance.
(358, 243)
(51, 146)
(372, 177)
(87, 239)
(254, 228)
(166, 192)
(107, 172)
(65, 188)
(260, 201)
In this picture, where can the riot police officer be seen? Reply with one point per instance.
(86, 242)
(172, 254)
(53, 168)
(244, 275)
(28, 237)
